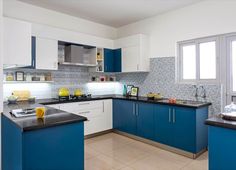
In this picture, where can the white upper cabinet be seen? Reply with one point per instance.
(46, 54)
(135, 53)
(16, 43)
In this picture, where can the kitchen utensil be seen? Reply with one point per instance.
(63, 92)
(78, 92)
(22, 94)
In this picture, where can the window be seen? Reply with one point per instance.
(233, 66)
(197, 61)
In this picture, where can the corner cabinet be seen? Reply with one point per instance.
(46, 53)
(135, 118)
(135, 53)
(16, 43)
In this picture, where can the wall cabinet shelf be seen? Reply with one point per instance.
(13, 82)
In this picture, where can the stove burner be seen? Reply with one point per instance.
(74, 97)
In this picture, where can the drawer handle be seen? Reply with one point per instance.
(133, 108)
(84, 112)
(84, 103)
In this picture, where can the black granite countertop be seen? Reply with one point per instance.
(56, 117)
(217, 120)
(184, 103)
(53, 117)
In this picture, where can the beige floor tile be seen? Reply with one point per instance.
(127, 154)
(127, 168)
(102, 162)
(201, 163)
(162, 160)
(89, 152)
(108, 143)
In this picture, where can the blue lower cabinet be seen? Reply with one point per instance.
(53, 148)
(179, 127)
(124, 118)
(163, 124)
(221, 151)
(145, 120)
(184, 128)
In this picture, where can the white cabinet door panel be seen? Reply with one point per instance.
(130, 58)
(46, 54)
(16, 42)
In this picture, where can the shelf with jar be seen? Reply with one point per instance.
(22, 77)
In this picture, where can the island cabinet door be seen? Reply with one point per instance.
(163, 124)
(184, 128)
(145, 120)
(124, 116)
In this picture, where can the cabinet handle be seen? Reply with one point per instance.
(169, 115)
(173, 115)
(137, 111)
(133, 108)
(84, 112)
(83, 103)
(137, 67)
(103, 106)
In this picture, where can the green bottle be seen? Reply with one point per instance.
(124, 90)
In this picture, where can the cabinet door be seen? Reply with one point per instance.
(145, 120)
(130, 58)
(46, 54)
(108, 60)
(124, 116)
(16, 43)
(117, 60)
(163, 124)
(184, 128)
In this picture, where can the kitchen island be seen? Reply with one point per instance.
(53, 143)
(221, 143)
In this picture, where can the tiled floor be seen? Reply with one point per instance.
(116, 152)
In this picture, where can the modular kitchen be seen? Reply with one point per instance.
(118, 85)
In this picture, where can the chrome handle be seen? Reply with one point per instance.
(84, 112)
(169, 115)
(133, 108)
(137, 111)
(84, 103)
(103, 109)
(173, 115)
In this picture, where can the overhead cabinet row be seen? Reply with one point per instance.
(129, 54)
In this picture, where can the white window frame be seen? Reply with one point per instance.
(179, 63)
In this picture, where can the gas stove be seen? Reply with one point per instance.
(74, 97)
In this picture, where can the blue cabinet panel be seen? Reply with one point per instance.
(108, 60)
(145, 120)
(184, 128)
(124, 118)
(54, 148)
(117, 60)
(163, 124)
(112, 60)
(221, 150)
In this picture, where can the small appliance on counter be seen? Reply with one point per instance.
(154, 96)
(23, 112)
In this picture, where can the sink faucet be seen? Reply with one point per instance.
(203, 92)
(196, 90)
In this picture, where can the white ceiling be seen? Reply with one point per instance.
(115, 13)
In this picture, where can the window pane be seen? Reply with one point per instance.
(189, 62)
(234, 64)
(208, 60)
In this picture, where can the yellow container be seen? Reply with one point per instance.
(40, 112)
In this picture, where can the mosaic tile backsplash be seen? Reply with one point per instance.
(160, 79)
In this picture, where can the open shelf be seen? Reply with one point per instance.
(12, 82)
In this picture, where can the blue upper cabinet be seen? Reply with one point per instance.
(112, 60)
(145, 120)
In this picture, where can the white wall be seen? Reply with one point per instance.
(24, 11)
(206, 18)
